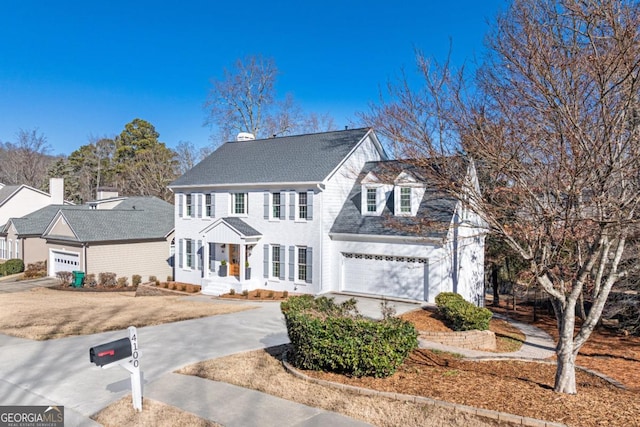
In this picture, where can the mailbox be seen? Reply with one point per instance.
(110, 352)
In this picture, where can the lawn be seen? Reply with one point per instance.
(42, 313)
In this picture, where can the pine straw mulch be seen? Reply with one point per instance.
(517, 387)
(611, 353)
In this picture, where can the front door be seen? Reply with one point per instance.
(234, 260)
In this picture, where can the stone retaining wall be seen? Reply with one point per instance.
(472, 340)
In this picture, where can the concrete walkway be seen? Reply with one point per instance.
(538, 345)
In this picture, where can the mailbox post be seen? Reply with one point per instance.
(124, 352)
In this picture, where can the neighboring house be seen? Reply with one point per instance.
(19, 200)
(322, 213)
(127, 236)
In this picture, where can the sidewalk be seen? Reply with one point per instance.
(234, 406)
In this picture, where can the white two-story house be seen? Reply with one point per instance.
(319, 213)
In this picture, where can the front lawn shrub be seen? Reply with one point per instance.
(153, 279)
(13, 266)
(3, 272)
(334, 337)
(64, 277)
(136, 279)
(122, 282)
(90, 280)
(461, 315)
(107, 279)
(35, 270)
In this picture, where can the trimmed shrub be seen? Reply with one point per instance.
(64, 277)
(136, 279)
(35, 270)
(90, 280)
(13, 266)
(334, 337)
(107, 279)
(153, 279)
(461, 315)
(122, 282)
(2, 270)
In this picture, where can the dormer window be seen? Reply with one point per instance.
(405, 200)
(371, 200)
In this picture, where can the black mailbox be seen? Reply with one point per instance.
(110, 352)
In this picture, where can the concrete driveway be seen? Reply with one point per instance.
(58, 372)
(9, 285)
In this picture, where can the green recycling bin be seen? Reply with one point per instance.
(78, 279)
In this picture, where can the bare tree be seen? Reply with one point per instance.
(244, 100)
(26, 161)
(553, 122)
(187, 156)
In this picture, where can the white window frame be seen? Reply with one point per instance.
(299, 205)
(208, 207)
(188, 256)
(3, 248)
(275, 253)
(280, 205)
(188, 205)
(401, 208)
(301, 267)
(10, 245)
(232, 207)
(371, 191)
(17, 248)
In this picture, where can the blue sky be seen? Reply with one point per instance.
(76, 69)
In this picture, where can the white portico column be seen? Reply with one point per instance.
(205, 257)
(243, 259)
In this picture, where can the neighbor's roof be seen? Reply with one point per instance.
(431, 221)
(103, 225)
(135, 218)
(7, 191)
(35, 223)
(299, 158)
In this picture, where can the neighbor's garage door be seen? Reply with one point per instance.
(65, 261)
(404, 277)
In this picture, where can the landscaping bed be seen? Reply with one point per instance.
(258, 295)
(514, 387)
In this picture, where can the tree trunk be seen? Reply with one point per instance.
(565, 381)
(565, 372)
(494, 285)
(582, 314)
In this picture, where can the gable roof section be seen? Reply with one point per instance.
(151, 219)
(7, 192)
(288, 159)
(431, 221)
(37, 222)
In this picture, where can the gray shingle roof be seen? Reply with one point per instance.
(300, 158)
(35, 223)
(242, 227)
(7, 191)
(434, 213)
(100, 225)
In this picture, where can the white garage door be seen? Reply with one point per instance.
(396, 276)
(65, 261)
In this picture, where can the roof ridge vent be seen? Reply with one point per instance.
(245, 136)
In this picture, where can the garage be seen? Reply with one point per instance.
(64, 261)
(386, 275)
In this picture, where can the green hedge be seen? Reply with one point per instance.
(461, 315)
(334, 337)
(13, 266)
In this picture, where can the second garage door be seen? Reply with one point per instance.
(394, 276)
(65, 261)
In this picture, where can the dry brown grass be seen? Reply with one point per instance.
(154, 414)
(43, 314)
(261, 370)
